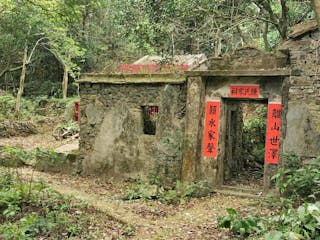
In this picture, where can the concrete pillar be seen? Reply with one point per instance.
(193, 128)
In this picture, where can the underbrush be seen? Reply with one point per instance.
(296, 215)
(31, 210)
(15, 157)
(178, 194)
(32, 108)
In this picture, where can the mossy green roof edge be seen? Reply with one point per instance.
(132, 78)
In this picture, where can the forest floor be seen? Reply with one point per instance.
(149, 219)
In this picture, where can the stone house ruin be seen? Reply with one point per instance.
(184, 124)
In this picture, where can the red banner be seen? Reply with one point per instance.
(273, 133)
(244, 91)
(211, 130)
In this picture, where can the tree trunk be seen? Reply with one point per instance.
(218, 47)
(316, 8)
(22, 78)
(242, 37)
(65, 82)
(265, 37)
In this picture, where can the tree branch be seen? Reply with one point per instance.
(34, 48)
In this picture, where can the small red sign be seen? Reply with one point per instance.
(273, 133)
(211, 131)
(76, 111)
(244, 91)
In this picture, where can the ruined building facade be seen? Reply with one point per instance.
(178, 125)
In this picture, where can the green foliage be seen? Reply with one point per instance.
(33, 108)
(13, 156)
(253, 142)
(240, 226)
(295, 216)
(7, 106)
(303, 223)
(178, 194)
(299, 181)
(30, 210)
(289, 224)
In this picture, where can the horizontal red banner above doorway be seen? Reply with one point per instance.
(244, 91)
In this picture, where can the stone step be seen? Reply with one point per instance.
(237, 193)
(255, 191)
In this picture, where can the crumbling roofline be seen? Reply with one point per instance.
(241, 73)
(132, 78)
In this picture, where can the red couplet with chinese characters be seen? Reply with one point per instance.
(211, 130)
(273, 133)
(244, 91)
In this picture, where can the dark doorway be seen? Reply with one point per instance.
(245, 143)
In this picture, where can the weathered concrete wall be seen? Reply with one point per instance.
(303, 115)
(194, 126)
(113, 143)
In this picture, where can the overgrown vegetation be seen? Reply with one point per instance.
(30, 210)
(299, 181)
(296, 215)
(32, 108)
(253, 142)
(41, 160)
(15, 157)
(7, 105)
(170, 195)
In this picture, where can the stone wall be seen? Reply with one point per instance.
(113, 142)
(303, 116)
(248, 58)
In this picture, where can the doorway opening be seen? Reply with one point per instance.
(245, 143)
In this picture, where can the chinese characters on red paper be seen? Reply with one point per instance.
(211, 132)
(273, 133)
(244, 91)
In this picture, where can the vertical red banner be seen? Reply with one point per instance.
(211, 129)
(273, 133)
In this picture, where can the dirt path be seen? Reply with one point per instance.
(41, 140)
(152, 220)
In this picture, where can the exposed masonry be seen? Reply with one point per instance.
(303, 117)
(113, 142)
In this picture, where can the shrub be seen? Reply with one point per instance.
(297, 181)
(178, 194)
(33, 211)
(240, 226)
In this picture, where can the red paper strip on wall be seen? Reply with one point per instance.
(211, 130)
(244, 91)
(273, 133)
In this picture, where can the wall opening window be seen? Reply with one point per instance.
(150, 114)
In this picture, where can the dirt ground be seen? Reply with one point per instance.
(151, 219)
(196, 219)
(41, 140)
